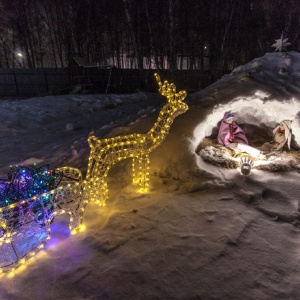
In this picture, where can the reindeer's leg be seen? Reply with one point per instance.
(104, 192)
(97, 191)
(144, 173)
(75, 220)
(76, 214)
(69, 199)
(135, 170)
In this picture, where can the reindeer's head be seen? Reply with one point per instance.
(169, 91)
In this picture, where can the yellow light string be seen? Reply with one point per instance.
(13, 220)
(106, 152)
(66, 199)
(74, 193)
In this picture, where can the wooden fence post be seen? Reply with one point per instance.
(46, 81)
(16, 83)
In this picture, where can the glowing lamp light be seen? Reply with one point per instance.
(246, 165)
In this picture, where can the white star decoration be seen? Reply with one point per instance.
(281, 44)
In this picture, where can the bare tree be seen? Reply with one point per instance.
(133, 34)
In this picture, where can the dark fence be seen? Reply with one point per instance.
(113, 80)
(99, 79)
(33, 82)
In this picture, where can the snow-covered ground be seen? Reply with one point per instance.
(202, 232)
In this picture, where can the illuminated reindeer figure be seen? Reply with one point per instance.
(106, 152)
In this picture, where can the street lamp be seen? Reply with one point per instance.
(20, 59)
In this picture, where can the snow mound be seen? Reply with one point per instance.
(260, 94)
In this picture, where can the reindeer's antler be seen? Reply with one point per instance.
(169, 90)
